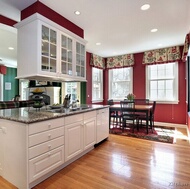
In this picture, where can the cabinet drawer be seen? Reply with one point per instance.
(45, 136)
(90, 114)
(45, 125)
(45, 147)
(73, 119)
(45, 163)
(104, 110)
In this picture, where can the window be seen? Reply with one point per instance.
(162, 82)
(120, 83)
(73, 88)
(97, 84)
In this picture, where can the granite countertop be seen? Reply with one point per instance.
(30, 115)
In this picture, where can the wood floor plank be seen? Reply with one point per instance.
(126, 163)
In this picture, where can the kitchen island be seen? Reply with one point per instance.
(36, 144)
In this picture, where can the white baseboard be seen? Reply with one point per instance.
(170, 125)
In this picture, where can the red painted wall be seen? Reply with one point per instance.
(89, 79)
(170, 113)
(7, 21)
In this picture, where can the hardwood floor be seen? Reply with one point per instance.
(126, 163)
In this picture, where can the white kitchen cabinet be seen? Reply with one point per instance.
(102, 124)
(80, 133)
(40, 149)
(14, 156)
(89, 129)
(45, 147)
(73, 140)
(47, 51)
(2, 132)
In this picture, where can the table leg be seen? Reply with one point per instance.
(147, 122)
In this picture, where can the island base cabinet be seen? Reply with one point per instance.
(73, 140)
(102, 124)
(45, 163)
(89, 132)
(1, 150)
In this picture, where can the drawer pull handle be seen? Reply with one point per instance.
(49, 135)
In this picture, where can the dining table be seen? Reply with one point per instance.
(145, 108)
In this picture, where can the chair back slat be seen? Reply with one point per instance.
(141, 101)
(127, 107)
(110, 102)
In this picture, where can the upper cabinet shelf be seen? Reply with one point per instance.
(47, 51)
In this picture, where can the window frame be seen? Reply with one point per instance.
(175, 84)
(130, 85)
(96, 100)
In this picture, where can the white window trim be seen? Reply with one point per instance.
(101, 88)
(176, 101)
(131, 86)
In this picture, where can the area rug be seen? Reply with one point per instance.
(160, 134)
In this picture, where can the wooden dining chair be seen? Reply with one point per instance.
(141, 101)
(142, 117)
(128, 115)
(113, 114)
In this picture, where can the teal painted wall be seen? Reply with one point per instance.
(83, 93)
(9, 78)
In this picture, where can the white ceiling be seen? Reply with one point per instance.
(119, 25)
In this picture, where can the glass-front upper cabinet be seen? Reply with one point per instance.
(66, 55)
(80, 60)
(49, 46)
(48, 51)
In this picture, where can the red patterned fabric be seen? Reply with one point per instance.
(97, 61)
(186, 47)
(120, 61)
(164, 55)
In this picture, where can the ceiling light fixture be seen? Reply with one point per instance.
(11, 48)
(145, 7)
(154, 30)
(98, 43)
(77, 12)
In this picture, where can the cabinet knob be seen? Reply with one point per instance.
(49, 136)
(49, 146)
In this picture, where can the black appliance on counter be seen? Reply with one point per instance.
(40, 97)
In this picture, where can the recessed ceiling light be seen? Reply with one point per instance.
(11, 48)
(154, 30)
(145, 7)
(98, 43)
(77, 12)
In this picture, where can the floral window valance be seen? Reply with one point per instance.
(186, 47)
(97, 61)
(120, 61)
(164, 55)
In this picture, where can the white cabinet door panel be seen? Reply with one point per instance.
(73, 140)
(45, 163)
(89, 132)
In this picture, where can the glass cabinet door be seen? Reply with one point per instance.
(80, 60)
(66, 55)
(49, 46)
